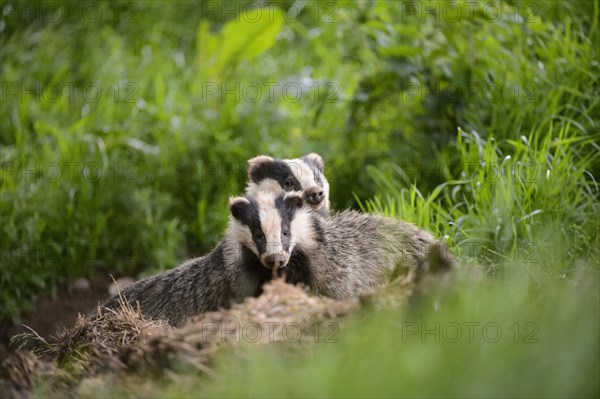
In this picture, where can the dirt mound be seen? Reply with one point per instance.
(283, 313)
(117, 344)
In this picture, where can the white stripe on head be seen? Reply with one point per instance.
(325, 191)
(265, 185)
(301, 172)
(270, 221)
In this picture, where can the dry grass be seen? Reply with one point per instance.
(113, 344)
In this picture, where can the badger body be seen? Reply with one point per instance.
(350, 254)
(256, 241)
(216, 280)
(304, 174)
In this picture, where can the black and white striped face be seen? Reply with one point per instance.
(266, 174)
(269, 224)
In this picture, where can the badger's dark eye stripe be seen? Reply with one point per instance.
(286, 213)
(251, 217)
(279, 171)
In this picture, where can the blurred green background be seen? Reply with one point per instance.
(125, 126)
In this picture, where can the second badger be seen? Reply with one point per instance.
(306, 174)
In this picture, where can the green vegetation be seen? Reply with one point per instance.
(123, 134)
(539, 343)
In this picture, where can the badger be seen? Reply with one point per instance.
(306, 174)
(344, 255)
(232, 271)
(350, 254)
(257, 242)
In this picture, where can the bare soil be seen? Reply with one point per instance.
(53, 315)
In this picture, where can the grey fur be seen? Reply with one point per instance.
(350, 254)
(219, 279)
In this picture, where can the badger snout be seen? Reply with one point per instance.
(314, 195)
(275, 261)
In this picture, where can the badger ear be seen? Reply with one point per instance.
(294, 198)
(257, 162)
(237, 206)
(316, 160)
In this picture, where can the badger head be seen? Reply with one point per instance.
(304, 174)
(269, 225)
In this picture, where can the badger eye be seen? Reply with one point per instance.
(288, 184)
(259, 235)
(286, 232)
(317, 179)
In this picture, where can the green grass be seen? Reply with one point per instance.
(536, 201)
(539, 343)
(482, 130)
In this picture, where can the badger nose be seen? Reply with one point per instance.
(275, 261)
(314, 195)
